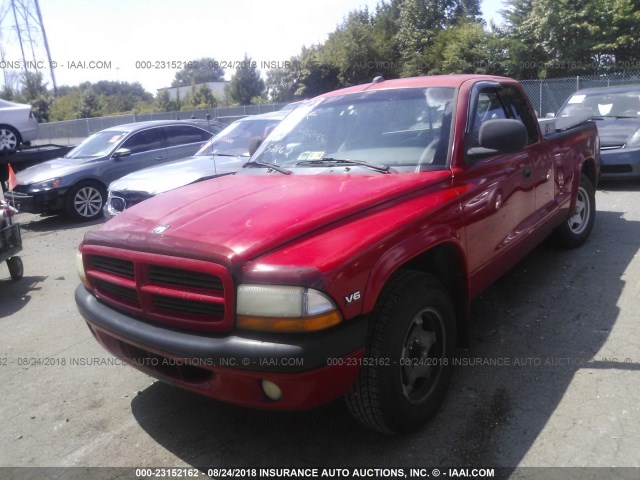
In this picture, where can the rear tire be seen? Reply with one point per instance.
(85, 201)
(9, 139)
(577, 228)
(408, 357)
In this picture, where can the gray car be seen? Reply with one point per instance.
(224, 154)
(76, 184)
(616, 112)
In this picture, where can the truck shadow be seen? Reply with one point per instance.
(492, 415)
(14, 296)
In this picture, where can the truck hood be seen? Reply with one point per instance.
(58, 167)
(239, 218)
(168, 176)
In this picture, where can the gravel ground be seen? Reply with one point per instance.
(561, 330)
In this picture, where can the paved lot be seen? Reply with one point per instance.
(562, 328)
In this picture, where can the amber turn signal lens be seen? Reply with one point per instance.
(280, 324)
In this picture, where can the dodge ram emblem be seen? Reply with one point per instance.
(161, 229)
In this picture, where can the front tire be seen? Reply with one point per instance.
(85, 201)
(575, 231)
(409, 355)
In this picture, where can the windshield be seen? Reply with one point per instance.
(97, 145)
(398, 128)
(602, 104)
(234, 139)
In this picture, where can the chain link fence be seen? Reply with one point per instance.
(548, 95)
(71, 132)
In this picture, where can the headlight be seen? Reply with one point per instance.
(284, 309)
(46, 185)
(80, 270)
(634, 141)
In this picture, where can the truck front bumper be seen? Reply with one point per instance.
(308, 369)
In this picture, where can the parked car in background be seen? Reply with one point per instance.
(616, 111)
(17, 125)
(224, 154)
(76, 184)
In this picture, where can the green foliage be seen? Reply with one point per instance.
(89, 105)
(245, 84)
(466, 48)
(199, 97)
(202, 70)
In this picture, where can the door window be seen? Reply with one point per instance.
(145, 140)
(185, 134)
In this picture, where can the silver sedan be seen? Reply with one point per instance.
(17, 125)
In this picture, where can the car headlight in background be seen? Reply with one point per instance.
(634, 141)
(46, 185)
(278, 308)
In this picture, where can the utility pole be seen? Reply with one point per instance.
(24, 46)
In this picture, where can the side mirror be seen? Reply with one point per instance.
(254, 144)
(500, 136)
(550, 115)
(121, 153)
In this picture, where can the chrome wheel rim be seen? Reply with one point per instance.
(88, 202)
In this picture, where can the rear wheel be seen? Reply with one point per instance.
(9, 138)
(575, 231)
(85, 201)
(409, 355)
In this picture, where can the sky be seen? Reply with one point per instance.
(143, 41)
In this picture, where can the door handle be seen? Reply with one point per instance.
(160, 158)
(526, 171)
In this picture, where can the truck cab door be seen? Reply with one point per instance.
(497, 194)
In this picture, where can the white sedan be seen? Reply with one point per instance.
(17, 125)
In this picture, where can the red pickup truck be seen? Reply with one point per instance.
(342, 259)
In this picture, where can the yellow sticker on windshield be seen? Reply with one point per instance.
(303, 155)
(315, 155)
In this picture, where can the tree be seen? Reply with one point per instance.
(246, 83)
(34, 92)
(199, 97)
(198, 71)
(89, 105)
(283, 83)
(467, 48)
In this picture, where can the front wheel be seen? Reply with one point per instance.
(575, 231)
(408, 356)
(85, 201)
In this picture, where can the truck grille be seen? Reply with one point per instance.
(183, 293)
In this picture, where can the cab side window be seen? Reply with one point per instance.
(145, 140)
(505, 102)
(488, 107)
(519, 110)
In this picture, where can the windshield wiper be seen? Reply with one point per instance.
(223, 155)
(272, 166)
(346, 161)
